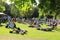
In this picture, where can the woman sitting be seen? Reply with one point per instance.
(11, 25)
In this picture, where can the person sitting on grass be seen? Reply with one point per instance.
(11, 25)
(18, 31)
(9, 19)
(18, 20)
(31, 22)
(0, 21)
(34, 24)
(54, 25)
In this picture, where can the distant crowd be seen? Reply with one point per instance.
(33, 22)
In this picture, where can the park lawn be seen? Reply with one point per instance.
(32, 33)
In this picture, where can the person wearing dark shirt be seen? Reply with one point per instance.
(18, 31)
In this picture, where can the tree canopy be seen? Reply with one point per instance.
(25, 8)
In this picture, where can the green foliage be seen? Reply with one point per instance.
(24, 8)
(2, 8)
(14, 11)
(21, 8)
(49, 7)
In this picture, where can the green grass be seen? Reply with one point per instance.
(32, 32)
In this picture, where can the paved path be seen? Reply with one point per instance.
(4, 37)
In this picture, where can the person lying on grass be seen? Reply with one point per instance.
(54, 26)
(45, 29)
(18, 31)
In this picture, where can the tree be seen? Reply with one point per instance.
(2, 8)
(23, 6)
(50, 7)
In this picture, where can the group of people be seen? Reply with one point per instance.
(11, 24)
(34, 23)
(37, 24)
